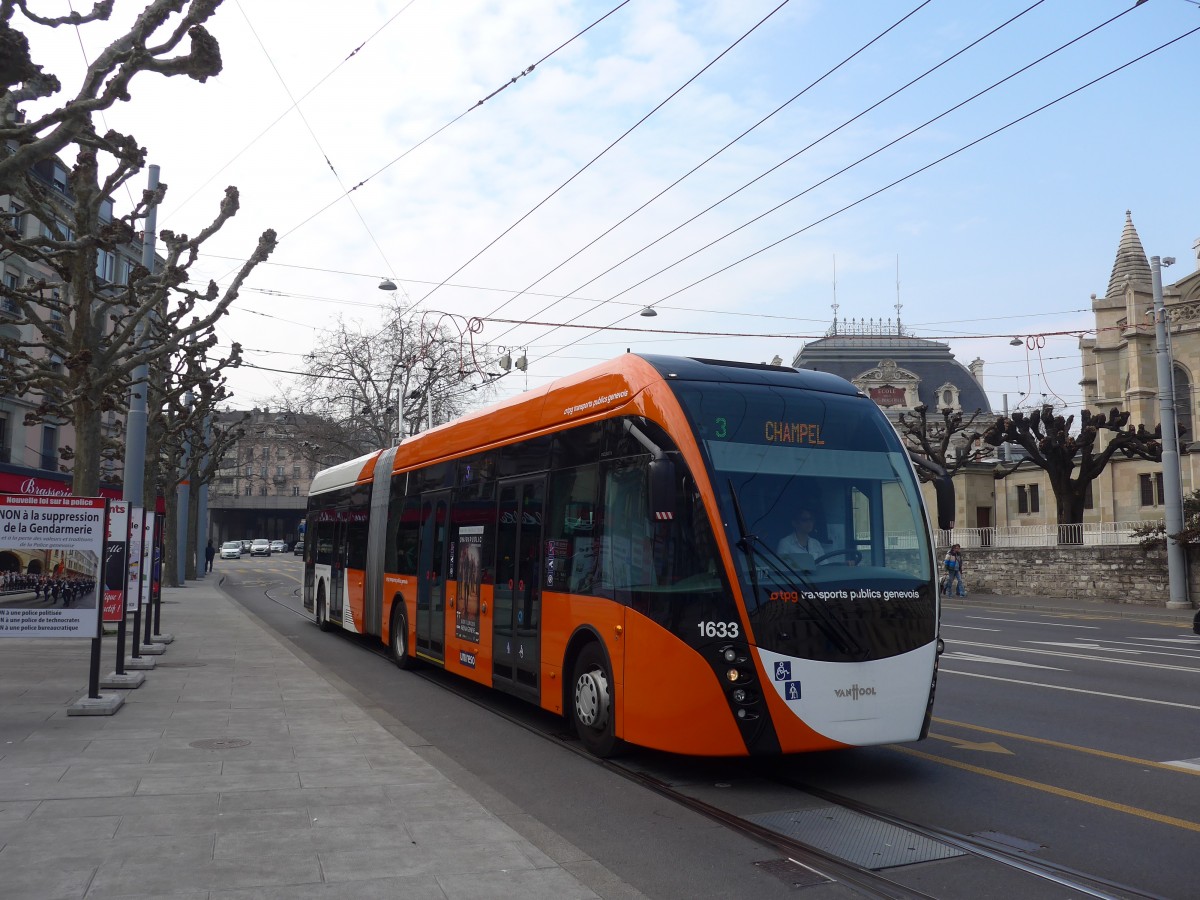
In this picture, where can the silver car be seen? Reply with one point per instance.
(231, 550)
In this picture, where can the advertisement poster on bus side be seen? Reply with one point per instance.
(51, 548)
(116, 553)
(134, 581)
(470, 579)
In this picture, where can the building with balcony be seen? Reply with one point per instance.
(260, 488)
(29, 453)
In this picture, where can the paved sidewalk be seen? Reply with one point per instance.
(320, 798)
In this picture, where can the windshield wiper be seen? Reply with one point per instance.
(832, 627)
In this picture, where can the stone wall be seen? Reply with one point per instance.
(1111, 574)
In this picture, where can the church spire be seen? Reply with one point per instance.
(1131, 260)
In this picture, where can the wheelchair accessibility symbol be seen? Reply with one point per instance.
(783, 671)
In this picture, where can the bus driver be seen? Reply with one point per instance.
(799, 541)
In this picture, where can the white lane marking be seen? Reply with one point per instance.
(968, 627)
(1104, 659)
(1028, 622)
(1058, 687)
(1081, 645)
(974, 657)
(1185, 641)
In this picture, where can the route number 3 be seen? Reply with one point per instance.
(719, 629)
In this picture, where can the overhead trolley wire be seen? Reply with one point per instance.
(303, 118)
(714, 155)
(295, 104)
(595, 158)
(774, 168)
(886, 187)
(524, 72)
(834, 175)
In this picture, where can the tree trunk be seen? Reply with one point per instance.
(170, 530)
(943, 489)
(85, 471)
(1069, 507)
(193, 552)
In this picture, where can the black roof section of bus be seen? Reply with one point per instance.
(694, 369)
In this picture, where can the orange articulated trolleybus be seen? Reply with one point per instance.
(625, 547)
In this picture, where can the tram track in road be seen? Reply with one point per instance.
(797, 862)
(991, 850)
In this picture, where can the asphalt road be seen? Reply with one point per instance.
(1066, 736)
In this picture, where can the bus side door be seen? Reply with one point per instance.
(517, 618)
(431, 575)
(337, 577)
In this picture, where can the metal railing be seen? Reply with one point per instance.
(1088, 534)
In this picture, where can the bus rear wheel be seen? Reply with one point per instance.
(592, 703)
(399, 637)
(322, 619)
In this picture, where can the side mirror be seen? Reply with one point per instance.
(662, 488)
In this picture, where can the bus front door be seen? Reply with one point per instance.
(517, 618)
(431, 572)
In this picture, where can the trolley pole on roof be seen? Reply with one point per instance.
(1172, 486)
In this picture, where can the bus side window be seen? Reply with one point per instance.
(626, 548)
(571, 519)
(407, 529)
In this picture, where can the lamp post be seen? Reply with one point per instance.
(1172, 487)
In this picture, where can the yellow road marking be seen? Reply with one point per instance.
(1051, 789)
(1049, 743)
(960, 744)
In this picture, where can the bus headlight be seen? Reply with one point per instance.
(730, 654)
(733, 674)
(739, 695)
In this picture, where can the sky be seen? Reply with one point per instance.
(356, 130)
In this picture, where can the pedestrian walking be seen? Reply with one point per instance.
(209, 553)
(954, 571)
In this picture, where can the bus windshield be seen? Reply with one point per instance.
(821, 507)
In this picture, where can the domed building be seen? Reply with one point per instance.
(899, 373)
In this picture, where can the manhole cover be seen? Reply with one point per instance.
(856, 838)
(219, 743)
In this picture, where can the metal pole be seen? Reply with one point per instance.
(1172, 487)
(135, 423)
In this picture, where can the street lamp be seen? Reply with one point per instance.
(387, 285)
(1172, 486)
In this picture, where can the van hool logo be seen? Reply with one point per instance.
(854, 693)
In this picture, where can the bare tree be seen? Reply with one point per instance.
(82, 331)
(362, 391)
(1072, 462)
(939, 450)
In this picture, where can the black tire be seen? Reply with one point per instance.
(398, 637)
(592, 702)
(322, 619)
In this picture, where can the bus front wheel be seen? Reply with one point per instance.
(399, 638)
(592, 706)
